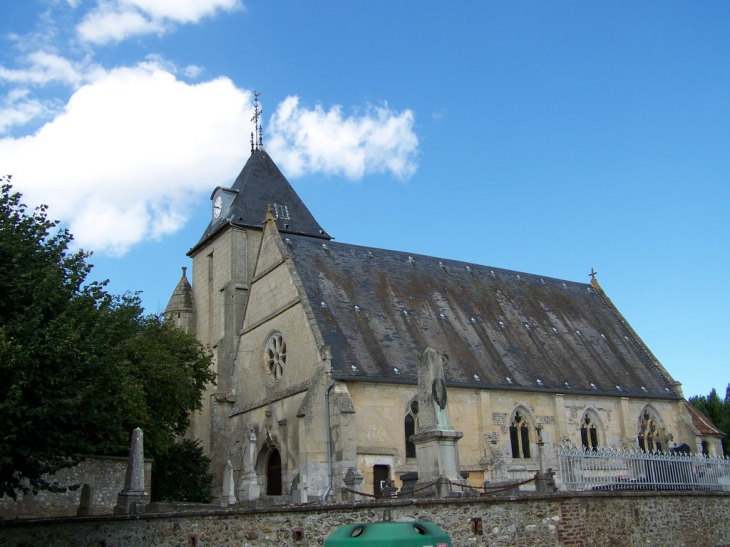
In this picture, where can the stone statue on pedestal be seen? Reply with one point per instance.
(437, 453)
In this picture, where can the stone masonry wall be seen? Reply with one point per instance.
(105, 475)
(561, 520)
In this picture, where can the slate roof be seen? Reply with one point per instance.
(701, 422)
(259, 185)
(182, 296)
(379, 309)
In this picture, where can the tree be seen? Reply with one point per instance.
(79, 368)
(181, 474)
(718, 411)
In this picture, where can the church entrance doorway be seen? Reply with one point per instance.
(273, 474)
(381, 473)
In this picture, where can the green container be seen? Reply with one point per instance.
(396, 534)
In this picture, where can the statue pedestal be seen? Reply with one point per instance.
(131, 503)
(438, 463)
(248, 487)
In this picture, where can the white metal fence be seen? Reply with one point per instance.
(612, 469)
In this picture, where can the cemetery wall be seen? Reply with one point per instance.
(105, 475)
(557, 520)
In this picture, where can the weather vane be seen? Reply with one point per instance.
(258, 131)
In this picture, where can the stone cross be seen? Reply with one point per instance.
(434, 411)
(133, 498)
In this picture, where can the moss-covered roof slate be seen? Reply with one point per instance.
(379, 309)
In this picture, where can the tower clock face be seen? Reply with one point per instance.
(217, 207)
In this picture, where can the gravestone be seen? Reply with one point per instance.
(437, 453)
(133, 498)
(229, 487)
(85, 500)
(248, 483)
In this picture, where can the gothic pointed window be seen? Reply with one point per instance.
(588, 432)
(650, 433)
(275, 356)
(411, 425)
(519, 435)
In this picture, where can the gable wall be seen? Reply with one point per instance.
(253, 383)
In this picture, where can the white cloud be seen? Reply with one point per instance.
(18, 108)
(41, 67)
(129, 153)
(134, 147)
(192, 71)
(315, 140)
(116, 20)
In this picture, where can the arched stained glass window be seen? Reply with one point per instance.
(519, 435)
(588, 432)
(650, 433)
(411, 425)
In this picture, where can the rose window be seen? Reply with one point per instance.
(275, 356)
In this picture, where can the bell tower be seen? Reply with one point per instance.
(224, 261)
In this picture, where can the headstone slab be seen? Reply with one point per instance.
(85, 501)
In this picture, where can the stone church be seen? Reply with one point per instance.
(316, 345)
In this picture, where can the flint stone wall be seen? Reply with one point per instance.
(560, 520)
(105, 475)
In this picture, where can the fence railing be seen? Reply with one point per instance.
(613, 469)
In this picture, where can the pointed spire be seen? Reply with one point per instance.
(257, 138)
(181, 306)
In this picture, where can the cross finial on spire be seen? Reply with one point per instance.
(594, 281)
(257, 140)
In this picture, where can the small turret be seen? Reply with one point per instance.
(181, 307)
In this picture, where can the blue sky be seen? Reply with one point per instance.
(548, 138)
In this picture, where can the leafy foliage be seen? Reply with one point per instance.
(79, 368)
(181, 474)
(718, 411)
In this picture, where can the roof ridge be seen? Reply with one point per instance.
(436, 259)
